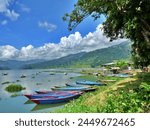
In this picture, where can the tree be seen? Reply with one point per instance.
(124, 19)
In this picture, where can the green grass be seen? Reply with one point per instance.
(79, 106)
(128, 99)
(14, 88)
(119, 97)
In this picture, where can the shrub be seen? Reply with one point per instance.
(14, 88)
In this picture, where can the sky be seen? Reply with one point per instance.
(34, 29)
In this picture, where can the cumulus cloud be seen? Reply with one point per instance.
(3, 5)
(12, 14)
(4, 9)
(8, 52)
(72, 44)
(47, 26)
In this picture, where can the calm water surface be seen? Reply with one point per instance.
(34, 80)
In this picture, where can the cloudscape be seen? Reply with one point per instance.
(31, 30)
(72, 44)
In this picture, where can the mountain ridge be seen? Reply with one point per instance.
(88, 59)
(79, 60)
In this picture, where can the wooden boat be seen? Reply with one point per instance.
(74, 85)
(122, 75)
(52, 93)
(56, 99)
(85, 89)
(43, 91)
(85, 82)
(4, 74)
(22, 76)
(105, 81)
(71, 85)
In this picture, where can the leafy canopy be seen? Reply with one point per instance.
(124, 19)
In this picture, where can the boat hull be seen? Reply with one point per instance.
(53, 100)
(85, 89)
(53, 94)
(73, 85)
(89, 83)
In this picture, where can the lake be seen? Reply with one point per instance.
(33, 80)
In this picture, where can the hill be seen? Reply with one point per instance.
(88, 59)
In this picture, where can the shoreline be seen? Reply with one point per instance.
(123, 96)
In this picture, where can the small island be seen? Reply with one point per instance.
(14, 88)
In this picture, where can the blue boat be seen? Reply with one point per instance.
(122, 75)
(73, 85)
(85, 89)
(85, 82)
(52, 94)
(43, 91)
(54, 99)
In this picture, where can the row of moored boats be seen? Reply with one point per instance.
(63, 94)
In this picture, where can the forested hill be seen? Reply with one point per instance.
(89, 59)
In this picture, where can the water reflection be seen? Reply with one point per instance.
(29, 102)
(46, 106)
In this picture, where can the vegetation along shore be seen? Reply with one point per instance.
(125, 95)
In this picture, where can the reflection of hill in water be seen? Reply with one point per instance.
(47, 106)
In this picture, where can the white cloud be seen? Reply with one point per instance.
(12, 14)
(4, 9)
(47, 26)
(4, 22)
(72, 44)
(4, 4)
(8, 52)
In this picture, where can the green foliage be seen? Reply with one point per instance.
(124, 18)
(144, 77)
(90, 59)
(79, 106)
(128, 101)
(132, 98)
(122, 63)
(14, 88)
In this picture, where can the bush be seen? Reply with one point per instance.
(14, 88)
(134, 100)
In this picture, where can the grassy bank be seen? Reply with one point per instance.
(125, 95)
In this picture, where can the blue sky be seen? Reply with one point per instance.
(34, 29)
(25, 28)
